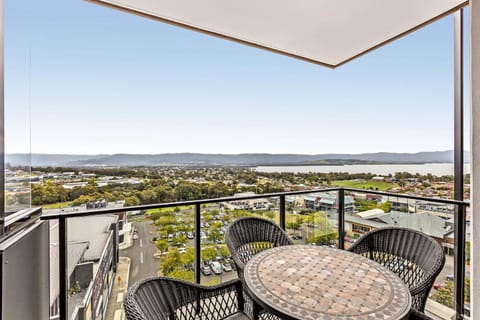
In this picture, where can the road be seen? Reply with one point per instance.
(143, 264)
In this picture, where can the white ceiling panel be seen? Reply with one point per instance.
(328, 32)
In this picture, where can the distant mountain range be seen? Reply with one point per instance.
(245, 159)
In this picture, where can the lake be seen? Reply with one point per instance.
(436, 169)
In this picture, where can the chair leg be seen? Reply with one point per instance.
(256, 310)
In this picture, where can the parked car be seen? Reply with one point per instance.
(190, 235)
(216, 267)
(182, 250)
(135, 236)
(158, 254)
(226, 267)
(170, 237)
(206, 271)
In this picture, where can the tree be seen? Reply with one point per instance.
(324, 239)
(181, 239)
(188, 258)
(165, 221)
(37, 194)
(270, 215)
(132, 201)
(162, 245)
(214, 234)
(292, 225)
(445, 295)
(187, 275)
(207, 217)
(154, 214)
(171, 262)
(240, 213)
(148, 196)
(208, 253)
(224, 252)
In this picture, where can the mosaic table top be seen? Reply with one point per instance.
(315, 282)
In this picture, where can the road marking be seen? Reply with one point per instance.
(120, 297)
(141, 257)
(118, 314)
(141, 243)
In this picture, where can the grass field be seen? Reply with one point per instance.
(56, 205)
(374, 185)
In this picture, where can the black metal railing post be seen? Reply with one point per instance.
(2, 122)
(341, 218)
(459, 265)
(198, 217)
(63, 263)
(282, 212)
(460, 210)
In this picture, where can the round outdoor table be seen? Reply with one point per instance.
(315, 282)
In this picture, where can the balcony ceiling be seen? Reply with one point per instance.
(327, 32)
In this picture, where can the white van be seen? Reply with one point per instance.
(216, 267)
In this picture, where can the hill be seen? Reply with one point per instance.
(245, 159)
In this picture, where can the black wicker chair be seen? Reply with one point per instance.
(245, 237)
(170, 299)
(415, 257)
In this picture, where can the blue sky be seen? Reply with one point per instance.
(102, 81)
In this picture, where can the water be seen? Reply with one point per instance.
(436, 169)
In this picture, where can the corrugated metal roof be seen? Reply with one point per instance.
(370, 214)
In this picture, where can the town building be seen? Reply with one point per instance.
(92, 263)
(327, 202)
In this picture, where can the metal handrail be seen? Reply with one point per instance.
(94, 212)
